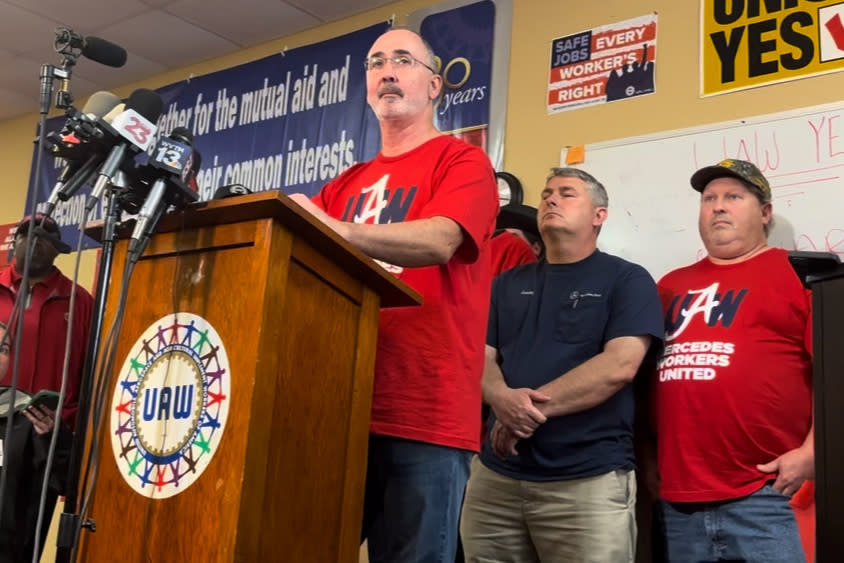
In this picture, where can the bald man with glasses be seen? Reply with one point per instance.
(425, 208)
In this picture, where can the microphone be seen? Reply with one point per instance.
(77, 148)
(134, 129)
(93, 48)
(232, 190)
(116, 110)
(172, 166)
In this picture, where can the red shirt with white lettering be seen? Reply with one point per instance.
(733, 387)
(429, 359)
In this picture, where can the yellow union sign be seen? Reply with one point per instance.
(748, 43)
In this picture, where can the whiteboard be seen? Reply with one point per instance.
(653, 210)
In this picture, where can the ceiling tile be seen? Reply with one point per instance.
(159, 35)
(167, 39)
(22, 30)
(21, 76)
(333, 10)
(161, 3)
(257, 20)
(84, 16)
(137, 68)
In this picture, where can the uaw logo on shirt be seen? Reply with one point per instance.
(170, 404)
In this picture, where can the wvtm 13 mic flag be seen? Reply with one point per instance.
(169, 170)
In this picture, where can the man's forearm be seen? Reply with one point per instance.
(492, 381)
(423, 242)
(597, 379)
(586, 386)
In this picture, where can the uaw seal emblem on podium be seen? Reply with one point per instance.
(170, 404)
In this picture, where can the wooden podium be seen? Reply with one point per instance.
(296, 309)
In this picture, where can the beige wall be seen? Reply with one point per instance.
(533, 138)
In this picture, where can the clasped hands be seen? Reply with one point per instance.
(516, 417)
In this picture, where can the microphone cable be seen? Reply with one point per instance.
(22, 296)
(42, 501)
(174, 295)
(105, 368)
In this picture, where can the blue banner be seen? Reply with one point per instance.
(462, 39)
(290, 122)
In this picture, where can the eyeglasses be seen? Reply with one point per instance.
(404, 60)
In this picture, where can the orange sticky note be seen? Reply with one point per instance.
(576, 154)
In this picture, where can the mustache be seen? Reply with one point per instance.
(390, 89)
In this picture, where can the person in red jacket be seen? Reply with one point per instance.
(45, 321)
(41, 354)
(4, 351)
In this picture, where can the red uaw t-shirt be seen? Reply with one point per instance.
(429, 359)
(733, 386)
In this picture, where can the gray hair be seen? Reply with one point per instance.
(597, 191)
(429, 53)
(754, 189)
(430, 57)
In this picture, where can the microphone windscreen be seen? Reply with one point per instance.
(104, 52)
(147, 103)
(100, 103)
(118, 109)
(181, 134)
(231, 191)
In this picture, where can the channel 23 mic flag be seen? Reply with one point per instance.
(291, 121)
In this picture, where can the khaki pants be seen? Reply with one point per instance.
(575, 521)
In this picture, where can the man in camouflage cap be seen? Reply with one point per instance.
(733, 387)
(732, 168)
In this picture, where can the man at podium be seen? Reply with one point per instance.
(425, 208)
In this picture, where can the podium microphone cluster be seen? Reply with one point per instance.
(130, 132)
(171, 169)
(79, 145)
(106, 135)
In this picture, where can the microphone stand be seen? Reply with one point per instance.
(47, 74)
(69, 523)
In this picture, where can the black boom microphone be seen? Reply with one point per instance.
(94, 48)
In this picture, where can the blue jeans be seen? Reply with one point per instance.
(414, 493)
(760, 527)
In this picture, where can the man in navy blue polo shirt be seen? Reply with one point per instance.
(555, 479)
